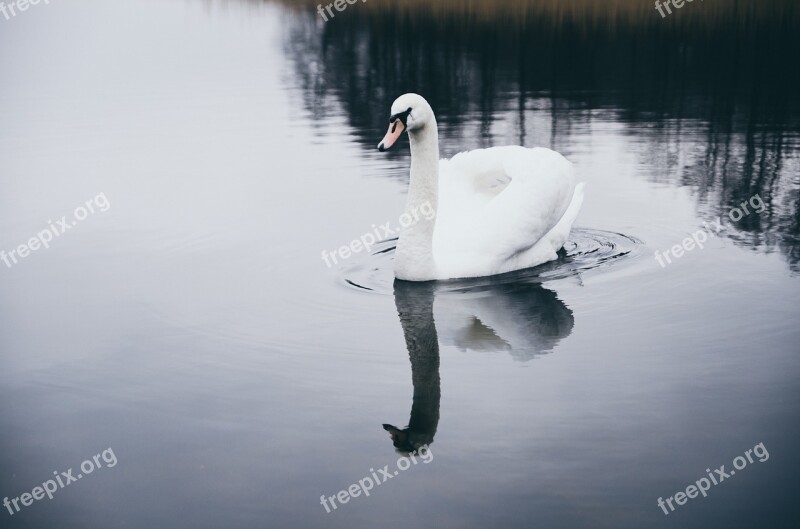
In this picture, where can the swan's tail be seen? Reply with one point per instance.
(560, 232)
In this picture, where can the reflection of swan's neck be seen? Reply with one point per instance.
(414, 255)
(423, 351)
(415, 308)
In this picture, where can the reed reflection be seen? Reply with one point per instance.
(712, 93)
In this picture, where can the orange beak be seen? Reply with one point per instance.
(396, 128)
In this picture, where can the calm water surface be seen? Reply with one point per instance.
(194, 328)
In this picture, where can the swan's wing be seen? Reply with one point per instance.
(467, 182)
(541, 189)
(478, 174)
(497, 203)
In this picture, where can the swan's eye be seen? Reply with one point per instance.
(400, 116)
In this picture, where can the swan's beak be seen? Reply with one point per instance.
(396, 128)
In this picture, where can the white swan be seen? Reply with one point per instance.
(497, 209)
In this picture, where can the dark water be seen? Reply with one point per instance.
(193, 328)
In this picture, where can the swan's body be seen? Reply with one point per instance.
(497, 209)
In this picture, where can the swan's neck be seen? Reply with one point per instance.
(414, 256)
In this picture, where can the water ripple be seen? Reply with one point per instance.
(585, 250)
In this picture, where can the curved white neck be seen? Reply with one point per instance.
(413, 259)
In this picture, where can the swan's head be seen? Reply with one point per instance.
(410, 112)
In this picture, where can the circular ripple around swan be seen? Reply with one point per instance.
(585, 250)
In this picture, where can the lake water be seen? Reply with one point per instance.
(190, 324)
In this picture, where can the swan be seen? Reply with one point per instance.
(496, 210)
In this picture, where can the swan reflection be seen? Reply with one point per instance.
(522, 319)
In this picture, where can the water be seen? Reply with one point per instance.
(194, 328)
